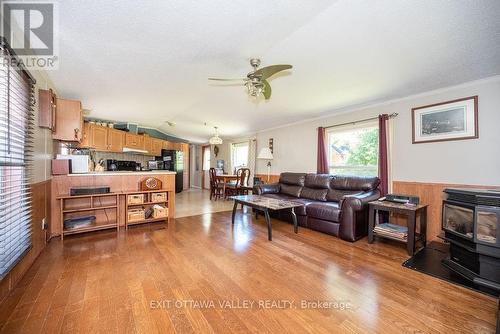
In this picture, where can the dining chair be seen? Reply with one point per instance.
(215, 186)
(239, 188)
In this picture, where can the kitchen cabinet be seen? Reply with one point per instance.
(116, 140)
(134, 141)
(167, 145)
(148, 145)
(157, 146)
(99, 137)
(46, 109)
(68, 120)
(85, 142)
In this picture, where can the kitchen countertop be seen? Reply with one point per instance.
(108, 173)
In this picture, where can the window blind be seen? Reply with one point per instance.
(16, 147)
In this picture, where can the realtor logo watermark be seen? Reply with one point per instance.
(31, 29)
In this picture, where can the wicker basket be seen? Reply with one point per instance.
(158, 197)
(135, 215)
(160, 212)
(135, 199)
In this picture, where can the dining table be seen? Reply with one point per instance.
(225, 179)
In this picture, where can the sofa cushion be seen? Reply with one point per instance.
(337, 195)
(318, 181)
(325, 211)
(290, 190)
(360, 183)
(301, 210)
(314, 194)
(295, 179)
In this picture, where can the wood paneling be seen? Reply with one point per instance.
(106, 282)
(61, 185)
(41, 209)
(272, 178)
(432, 195)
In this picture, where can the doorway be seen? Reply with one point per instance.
(205, 166)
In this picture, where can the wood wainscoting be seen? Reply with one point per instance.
(40, 193)
(272, 178)
(432, 195)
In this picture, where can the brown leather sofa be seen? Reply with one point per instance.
(331, 204)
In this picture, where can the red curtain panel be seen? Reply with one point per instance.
(382, 153)
(322, 161)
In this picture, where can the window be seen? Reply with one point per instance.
(353, 150)
(16, 126)
(240, 155)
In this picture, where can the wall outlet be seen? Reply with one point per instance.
(44, 224)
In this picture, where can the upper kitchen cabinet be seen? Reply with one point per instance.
(148, 145)
(46, 109)
(101, 138)
(68, 120)
(116, 140)
(85, 142)
(157, 145)
(134, 141)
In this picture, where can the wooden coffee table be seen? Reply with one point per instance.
(266, 204)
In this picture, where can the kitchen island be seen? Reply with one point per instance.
(120, 184)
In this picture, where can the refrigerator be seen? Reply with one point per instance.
(174, 161)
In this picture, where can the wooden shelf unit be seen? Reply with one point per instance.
(147, 202)
(74, 206)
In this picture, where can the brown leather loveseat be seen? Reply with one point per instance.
(332, 204)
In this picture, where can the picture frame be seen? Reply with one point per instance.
(445, 121)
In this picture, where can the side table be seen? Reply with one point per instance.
(410, 211)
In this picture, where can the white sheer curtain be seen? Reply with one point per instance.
(252, 154)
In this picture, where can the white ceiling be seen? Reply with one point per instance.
(148, 61)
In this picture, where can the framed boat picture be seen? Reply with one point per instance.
(451, 120)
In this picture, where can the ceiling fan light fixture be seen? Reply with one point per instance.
(215, 140)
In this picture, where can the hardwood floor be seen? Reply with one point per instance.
(123, 283)
(194, 202)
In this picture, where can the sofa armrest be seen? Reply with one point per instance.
(358, 201)
(271, 188)
(353, 221)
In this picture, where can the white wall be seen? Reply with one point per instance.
(475, 161)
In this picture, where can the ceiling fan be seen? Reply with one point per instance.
(256, 81)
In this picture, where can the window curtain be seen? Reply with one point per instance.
(252, 154)
(383, 169)
(322, 161)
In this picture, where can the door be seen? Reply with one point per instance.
(116, 139)
(205, 178)
(99, 137)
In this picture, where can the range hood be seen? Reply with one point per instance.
(133, 150)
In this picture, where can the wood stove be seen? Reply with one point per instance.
(470, 221)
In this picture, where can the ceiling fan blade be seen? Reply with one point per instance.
(267, 89)
(268, 71)
(220, 79)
